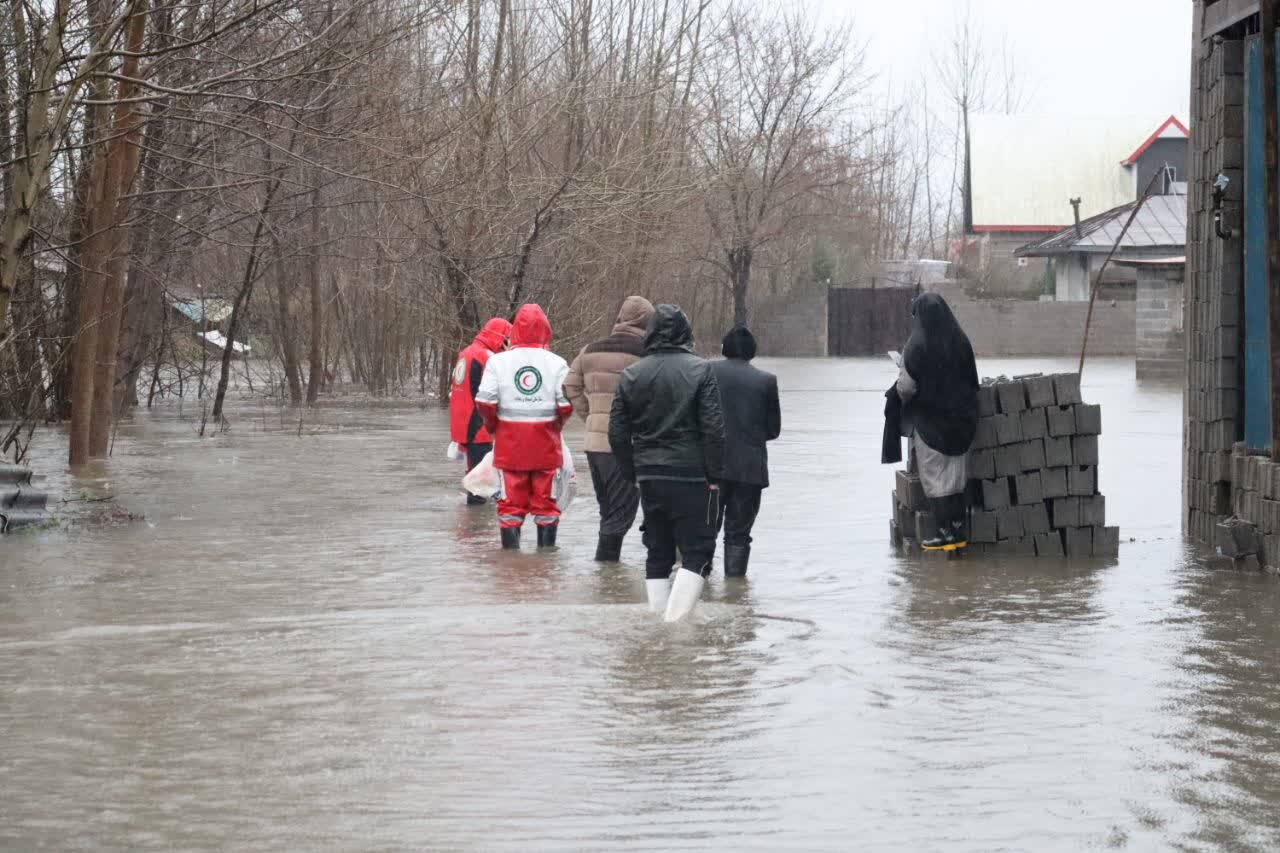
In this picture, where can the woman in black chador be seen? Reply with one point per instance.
(938, 385)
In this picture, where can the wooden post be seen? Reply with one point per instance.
(1271, 144)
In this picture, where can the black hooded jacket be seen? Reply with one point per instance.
(666, 422)
(938, 356)
(752, 415)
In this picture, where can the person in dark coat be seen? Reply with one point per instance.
(752, 418)
(938, 385)
(666, 430)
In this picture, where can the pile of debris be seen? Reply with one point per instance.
(1033, 475)
(20, 503)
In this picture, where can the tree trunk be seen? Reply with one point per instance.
(288, 344)
(315, 374)
(740, 275)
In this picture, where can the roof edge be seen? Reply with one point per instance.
(1171, 121)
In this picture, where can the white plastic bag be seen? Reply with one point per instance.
(566, 484)
(453, 453)
(483, 481)
(486, 481)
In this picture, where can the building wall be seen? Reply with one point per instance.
(1214, 281)
(1019, 327)
(988, 259)
(795, 327)
(1171, 151)
(1160, 350)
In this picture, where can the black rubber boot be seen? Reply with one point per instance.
(942, 517)
(475, 500)
(736, 558)
(511, 538)
(547, 536)
(609, 549)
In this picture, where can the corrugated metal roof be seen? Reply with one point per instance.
(1160, 224)
(1027, 168)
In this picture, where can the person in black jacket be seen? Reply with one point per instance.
(938, 386)
(667, 432)
(752, 417)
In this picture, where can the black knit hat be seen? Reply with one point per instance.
(739, 343)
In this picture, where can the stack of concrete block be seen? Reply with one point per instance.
(21, 503)
(1252, 533)
(1214, 287)
(1033, 475)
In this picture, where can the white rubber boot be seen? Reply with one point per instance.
(658, 589)
(686, 589)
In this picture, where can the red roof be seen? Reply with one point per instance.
(1171, 121)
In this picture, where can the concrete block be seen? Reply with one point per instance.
(1012, 396)
(1084, 450)
(986, 434)
(1093, 511)
(995, 493)
(1082, 481)
(1008, 428)
(1236, 537)
(1106, 542)
(987, 403)
(910, 491)
(926, 526)
(1035, 519)
(1062, 421)
(1027, 488)
(1066, 512)
(1054, 483)
(1050, 544)
(1040, 392)
(1031, 455)
(982, 464)
(1009, 523)
(982, 526)
(1035, 424)
(1079, 542)
(1020, 547)
(1008, 460)
(1088, 419)
(1066, 389)
(1057, 452)
(895, 534)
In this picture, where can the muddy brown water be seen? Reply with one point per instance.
(311, 644)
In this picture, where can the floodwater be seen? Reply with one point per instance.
(311, 644)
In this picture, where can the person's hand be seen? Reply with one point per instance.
(715, 487)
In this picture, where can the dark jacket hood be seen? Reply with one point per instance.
(739, 343)
(669, 330)
(634, 317)
(532, 329)
(493, 336)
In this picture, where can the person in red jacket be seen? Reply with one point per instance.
(466, 427)
(524, 407)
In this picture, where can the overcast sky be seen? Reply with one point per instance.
(1079, 57)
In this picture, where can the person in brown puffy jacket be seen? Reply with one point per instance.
(592, 379)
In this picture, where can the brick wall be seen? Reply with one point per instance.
(1214, 283)
(1160, 351)
(1015, 327)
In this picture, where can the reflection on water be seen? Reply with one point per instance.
(311, 644)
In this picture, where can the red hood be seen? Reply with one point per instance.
(494, 334)
(531, 328)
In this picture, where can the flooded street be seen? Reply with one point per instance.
(312, 644)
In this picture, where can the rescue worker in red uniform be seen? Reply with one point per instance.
(524, 407)
(466, 427)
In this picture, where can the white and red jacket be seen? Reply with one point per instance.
(521, 397)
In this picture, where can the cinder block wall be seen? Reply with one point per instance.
(1160, 335)
(1214, 284)
(1015, 327)
(793, 328)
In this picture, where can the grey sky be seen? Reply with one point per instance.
(1083, 57)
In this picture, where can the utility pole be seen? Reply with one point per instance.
(1271, 142)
